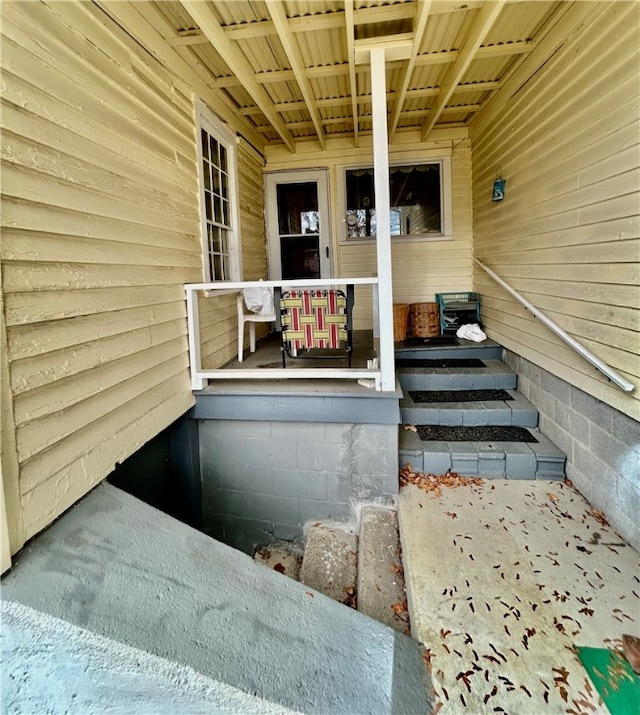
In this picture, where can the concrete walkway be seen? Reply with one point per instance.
(502, 580)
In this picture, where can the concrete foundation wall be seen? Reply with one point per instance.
(602, 444)
(263, 480)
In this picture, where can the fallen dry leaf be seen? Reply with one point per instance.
(426, 657)
(279, 568)
(351, 598)
(263, 552)
(452, 514)
(553, 497)
(410, 428)
(432, 482)
(598, 516)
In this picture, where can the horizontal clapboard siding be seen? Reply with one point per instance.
(567, 233)
(420, 268)
(100, 226)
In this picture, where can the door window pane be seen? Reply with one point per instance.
(298, 209)
(300, 257)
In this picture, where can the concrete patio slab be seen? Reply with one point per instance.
(502, 581)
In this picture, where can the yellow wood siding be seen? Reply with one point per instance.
(100, 232)
(567, 233)
(420, 268)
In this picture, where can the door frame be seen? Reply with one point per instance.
(297, 176)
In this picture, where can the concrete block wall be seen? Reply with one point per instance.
(602, 444)
(263, 480)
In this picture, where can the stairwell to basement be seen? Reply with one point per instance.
(359, 568)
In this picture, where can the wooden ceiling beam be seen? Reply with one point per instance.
(430, 58)
(324, 21)
(203, 15)
(482, 22)
(406, 11)
(333, 102)
(445, 132)
(294, 56)
(419, 26)
(410, 114)
(351, 54)
(490, 86)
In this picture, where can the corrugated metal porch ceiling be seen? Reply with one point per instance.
(288, 68)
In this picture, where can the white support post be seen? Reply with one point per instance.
(193, 323)
(383, 222)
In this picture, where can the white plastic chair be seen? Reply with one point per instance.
(246, 316)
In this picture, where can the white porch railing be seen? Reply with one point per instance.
(379, 373)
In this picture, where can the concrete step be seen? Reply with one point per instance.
(330, 563)
(518, 412)
(380, 577)
(488, 350)
(513, 460)
(495, 375)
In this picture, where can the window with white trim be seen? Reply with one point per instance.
(217, 172)
(419, 195)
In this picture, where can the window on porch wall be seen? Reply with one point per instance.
(420, 197)
(217, 172)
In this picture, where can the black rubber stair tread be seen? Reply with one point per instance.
(484, 433)
(421, 396)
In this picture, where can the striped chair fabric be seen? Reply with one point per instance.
(314, 319)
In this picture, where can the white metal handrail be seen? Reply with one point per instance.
(377, 373)
(607, 371)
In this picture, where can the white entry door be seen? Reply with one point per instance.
(298, 234)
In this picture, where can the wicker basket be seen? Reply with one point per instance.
(424, 320)
(400, 314)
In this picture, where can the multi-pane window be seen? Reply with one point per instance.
(218, 198)
(416, 197)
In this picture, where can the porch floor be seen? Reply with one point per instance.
(520, 572)
(269, 355)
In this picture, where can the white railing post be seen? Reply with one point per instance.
(193, 326)
(383, 218)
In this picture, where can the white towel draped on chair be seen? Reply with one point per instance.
(260, 299)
